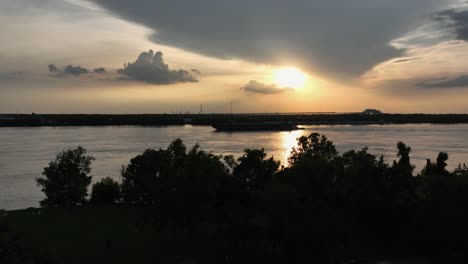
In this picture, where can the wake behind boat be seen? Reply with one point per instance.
(257, 126)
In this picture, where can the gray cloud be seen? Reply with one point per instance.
(333, 37)
(460, 81)
(72, 70)
(456, 20)
(261, 88)
(150, 67)
(405, 60)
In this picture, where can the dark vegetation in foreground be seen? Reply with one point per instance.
(189, 206)
(12, 120)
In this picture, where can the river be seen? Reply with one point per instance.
(25, 151)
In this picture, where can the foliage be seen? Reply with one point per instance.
(403, 169)
(181, 186)
(253, 170)
(313, 146)
(67, 178)
(323, 207)
(145, 177)
(106, 191)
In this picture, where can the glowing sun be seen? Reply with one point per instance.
(290, 78)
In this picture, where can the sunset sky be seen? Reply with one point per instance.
(146, 56)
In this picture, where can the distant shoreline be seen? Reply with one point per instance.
(56, 120)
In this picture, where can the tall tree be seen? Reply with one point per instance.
(254, 170)
(314, 146)
(67, 178)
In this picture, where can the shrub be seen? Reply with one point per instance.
(106, 191)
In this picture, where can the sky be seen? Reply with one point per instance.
(166, 56)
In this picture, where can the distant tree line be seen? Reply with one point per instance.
(323, 206)
(208, 119)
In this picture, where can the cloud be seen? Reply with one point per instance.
(460, 81)
(405, 60)
(72, 70)
(333, 37)
(150, 67)
(261, 88)
(455, 19)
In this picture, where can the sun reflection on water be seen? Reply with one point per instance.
(289, 140)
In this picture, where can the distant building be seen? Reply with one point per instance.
(372, 112)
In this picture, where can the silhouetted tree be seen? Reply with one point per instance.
(441, 163)
(403, 169)
(444, 213)
(402, 184)
(181, 186)
(66, 179)
(253, 170)
(193, 190)
(230, 162)
(314, 146)
(437, 169)
(105, 191)
(176, 151)
(461, 170)
(318, 208)
(312, 167)
(146, 177)
(362, 179)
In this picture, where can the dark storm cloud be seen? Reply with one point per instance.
(150, 67)
(335, 37)
(456, 20)
(261, 88)
(460, 81)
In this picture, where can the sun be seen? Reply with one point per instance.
(290, 77)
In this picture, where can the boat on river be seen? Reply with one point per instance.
(257, 126)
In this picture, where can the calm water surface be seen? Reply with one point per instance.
(24, 152)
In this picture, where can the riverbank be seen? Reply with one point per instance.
(34, 120)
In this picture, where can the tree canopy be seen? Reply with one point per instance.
(67, 178)
(323, 206)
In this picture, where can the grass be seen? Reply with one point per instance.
(118, 234)
(91, 235)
